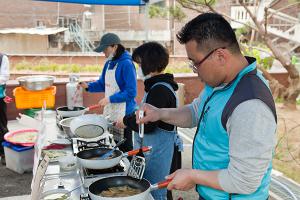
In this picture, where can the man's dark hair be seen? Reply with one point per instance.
(210, 31)
(120, 50)
(152, 56)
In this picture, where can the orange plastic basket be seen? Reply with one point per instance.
(34, 99)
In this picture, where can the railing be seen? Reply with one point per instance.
(80, 38)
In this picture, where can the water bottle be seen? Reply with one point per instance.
(74, 94)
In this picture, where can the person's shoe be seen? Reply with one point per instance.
(3, 160)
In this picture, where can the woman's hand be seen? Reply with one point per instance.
(104, 101)
(84, 85)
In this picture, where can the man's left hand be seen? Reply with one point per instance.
(104, 101)
(183, 179)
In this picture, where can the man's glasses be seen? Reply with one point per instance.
(195, 65)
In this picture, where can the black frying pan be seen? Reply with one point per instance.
(115, 181)
(84, 157)
(64, 111)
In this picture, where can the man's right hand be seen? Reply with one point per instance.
(151, 114)
(84, 85)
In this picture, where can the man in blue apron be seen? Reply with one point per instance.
(4, 76)
(118, 81)
(235, 117)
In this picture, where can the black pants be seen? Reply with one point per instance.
(127, 145)
(176, 164)
(3, 123)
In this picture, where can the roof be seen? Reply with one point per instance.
(34, 31)
(103, 2)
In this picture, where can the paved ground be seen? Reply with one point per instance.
(14, 184)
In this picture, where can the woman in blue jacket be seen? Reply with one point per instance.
(118, 81)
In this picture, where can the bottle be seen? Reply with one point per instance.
(74, 93)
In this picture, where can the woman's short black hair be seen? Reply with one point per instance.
(152, 56)
(120, 50)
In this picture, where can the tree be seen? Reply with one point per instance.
(290, 93)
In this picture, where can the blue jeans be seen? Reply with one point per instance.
(158, 161)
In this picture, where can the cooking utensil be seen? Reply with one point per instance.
(86, 157)
(138, 163)
(60, 192)
(55, 194)
(74, 98)
(89, 126)
(36, 83)
(64, 111)
(141, 132)
(65, 124)
(137, 167)
(117, 181)
(109, 153)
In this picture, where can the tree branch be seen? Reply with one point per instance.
(293, 72)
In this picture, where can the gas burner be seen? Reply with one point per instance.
(115, 169)
(82, 145)
(88, 176)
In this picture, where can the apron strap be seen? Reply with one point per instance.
(169, 87)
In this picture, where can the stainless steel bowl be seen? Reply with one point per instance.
(65, 124)
(36, 83)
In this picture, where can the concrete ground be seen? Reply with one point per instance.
(14, 184)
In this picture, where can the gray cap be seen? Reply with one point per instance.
(107, 40)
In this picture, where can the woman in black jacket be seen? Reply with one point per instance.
(160, 88)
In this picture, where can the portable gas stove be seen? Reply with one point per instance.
(88, 176)
(79, 144)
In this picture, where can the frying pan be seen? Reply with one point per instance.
(89, 125)
(64, 111)
(103, 184)
(84, 157)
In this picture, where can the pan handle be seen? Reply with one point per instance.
(160, 185)
(136, 151)
(92, 107)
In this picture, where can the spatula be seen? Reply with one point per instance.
(138, 163)
(109, 153)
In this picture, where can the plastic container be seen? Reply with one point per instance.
(34, 99)
(34, 112)
(18, 158)
(74, 94)
(31, 112)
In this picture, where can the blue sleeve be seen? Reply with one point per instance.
(99, 85)
(128, 89)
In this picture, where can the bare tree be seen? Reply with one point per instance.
(290, 93)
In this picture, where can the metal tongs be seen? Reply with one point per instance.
(138, 163)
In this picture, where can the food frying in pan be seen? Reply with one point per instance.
(121, 191)
(99, 158)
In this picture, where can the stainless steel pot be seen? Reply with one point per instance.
(65, 124)
(36, 83)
